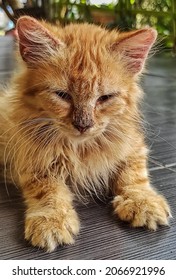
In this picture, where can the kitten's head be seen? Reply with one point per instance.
(82, 76)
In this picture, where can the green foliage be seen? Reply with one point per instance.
(125, 14)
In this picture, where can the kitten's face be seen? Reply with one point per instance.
(85, 84)
(84, 103)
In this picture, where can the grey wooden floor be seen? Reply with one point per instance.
(102, 236)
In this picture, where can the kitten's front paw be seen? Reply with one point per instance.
(48, 231)
(145, 208)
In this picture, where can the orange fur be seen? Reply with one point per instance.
(84, 141)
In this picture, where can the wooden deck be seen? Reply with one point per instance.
(101, 235)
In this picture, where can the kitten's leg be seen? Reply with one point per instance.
(135, 200)
(50, 218)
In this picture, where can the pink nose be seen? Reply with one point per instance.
(81, 128)
(82, 118)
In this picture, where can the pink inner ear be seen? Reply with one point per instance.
(136, 47)
(34, 39)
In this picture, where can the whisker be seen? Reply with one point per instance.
(162, 166)
(26, 127)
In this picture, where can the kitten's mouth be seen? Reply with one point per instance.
(82, 134)
(86, 135)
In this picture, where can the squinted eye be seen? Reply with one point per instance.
(64, 95)
(104, 98)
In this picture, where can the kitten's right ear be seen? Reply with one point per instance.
(36, 43)
(134, 48)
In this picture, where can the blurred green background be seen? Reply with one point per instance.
(124, 14)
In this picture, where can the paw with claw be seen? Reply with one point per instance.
(142, 209)
(48, 230)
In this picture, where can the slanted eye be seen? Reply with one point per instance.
(64, 95)
(104, 98)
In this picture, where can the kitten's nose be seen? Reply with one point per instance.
(81, 128)
(82, 118)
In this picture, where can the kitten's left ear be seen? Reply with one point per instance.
(36, 42)
(134, 48)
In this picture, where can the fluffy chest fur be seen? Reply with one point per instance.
(86, 166)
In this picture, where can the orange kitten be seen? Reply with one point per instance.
(72, 127)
